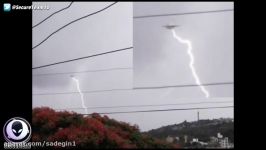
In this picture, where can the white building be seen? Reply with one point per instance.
(224, 143)
(195, 140)
(203, 143)
(170, 139)
(214, 139)
(185, 138)
(219, 135)
(177, 138)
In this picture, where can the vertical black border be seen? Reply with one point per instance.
(236, 63)
(247, 53)
(16, 63)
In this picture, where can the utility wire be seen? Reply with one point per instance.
(93, 91)
(53, 14)
(187, 85)
(138, 88)
(179, 14)
(86, 71)
(71, 23)
(66, 61)
(160, 110)
(155, 105)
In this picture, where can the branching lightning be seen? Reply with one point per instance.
(81, 95)
(191, 64)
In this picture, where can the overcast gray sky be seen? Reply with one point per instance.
(157, 58)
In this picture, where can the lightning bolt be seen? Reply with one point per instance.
(191, 64)
(81, 95)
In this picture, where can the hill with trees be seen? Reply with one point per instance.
(202, 129)
(93, 131)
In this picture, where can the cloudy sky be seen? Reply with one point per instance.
(156, 60)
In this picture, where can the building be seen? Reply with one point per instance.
(219, 135)
(221, 141)
(224, 143)
(214, 139)
(196, 140)
(203, 143)
(169, 139)
(177, 139)
(185, 138)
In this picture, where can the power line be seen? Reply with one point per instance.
(138, 88)
(93, 91)
(187, 85)
(160, 110)
(66, 61)
(71, 23)
(86, 71)
(53, 14)
(179, 14)
(155, 105)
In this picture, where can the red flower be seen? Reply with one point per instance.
(90, 132)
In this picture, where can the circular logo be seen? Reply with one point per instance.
(17, 130)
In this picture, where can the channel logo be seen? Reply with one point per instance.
(17, 130)
(7, 7)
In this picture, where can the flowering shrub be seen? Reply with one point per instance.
(92, 131)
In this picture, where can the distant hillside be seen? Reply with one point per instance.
(202, 129)
(92, 131)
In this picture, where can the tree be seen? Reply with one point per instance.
(92, 131)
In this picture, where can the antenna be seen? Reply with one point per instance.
(198, 115)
